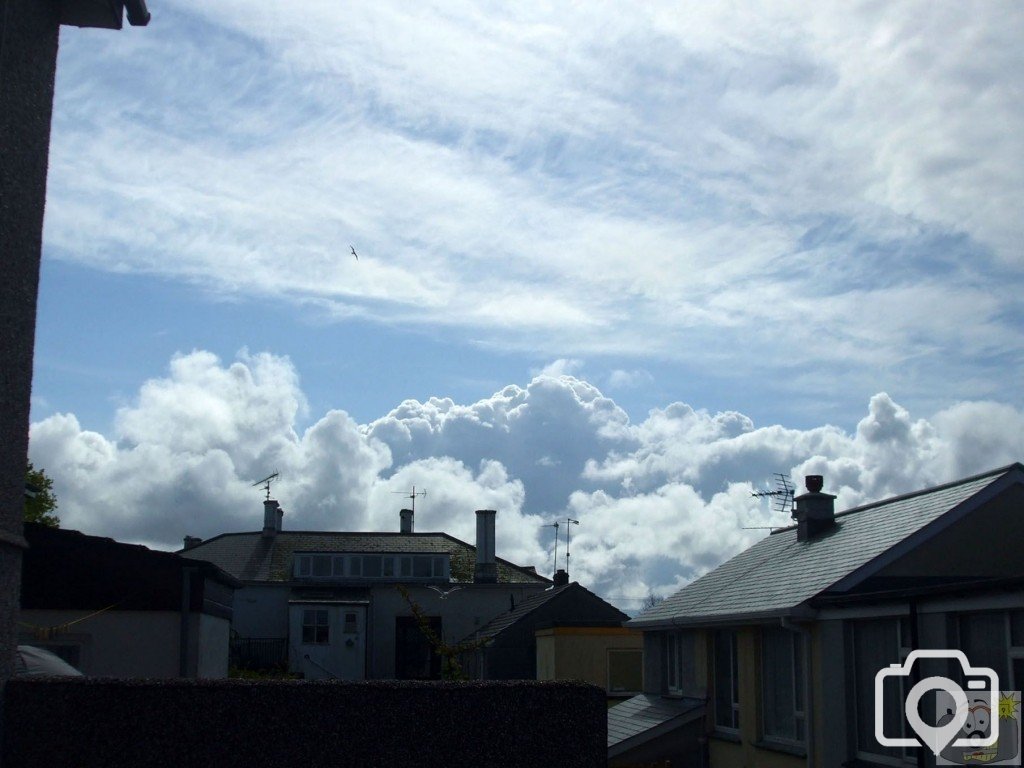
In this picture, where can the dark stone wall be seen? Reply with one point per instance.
(88, 722)
(28, 60)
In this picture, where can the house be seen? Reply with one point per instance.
(121, 610)
(563, 633)
(770, 659)
(327, 604)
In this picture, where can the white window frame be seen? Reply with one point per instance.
(670, 655)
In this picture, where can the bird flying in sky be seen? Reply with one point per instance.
(354, 252)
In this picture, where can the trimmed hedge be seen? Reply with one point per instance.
(86, 722)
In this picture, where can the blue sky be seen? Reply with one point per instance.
(764, 230)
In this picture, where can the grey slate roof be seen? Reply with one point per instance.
(637, 720)
(777, 575)
(254, 557)
(503, 621)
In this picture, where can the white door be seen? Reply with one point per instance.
(328, 640)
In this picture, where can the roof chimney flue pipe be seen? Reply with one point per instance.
(408, 524)
(486, 569)
(815, 511)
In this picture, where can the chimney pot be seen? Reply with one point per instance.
(192, 541)
(814, 483)
(561, 578)
(486, 569)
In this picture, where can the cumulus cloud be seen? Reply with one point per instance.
(659, 501)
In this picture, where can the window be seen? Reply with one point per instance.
(315, 627)
(370, 566)
(727, 689)
(351, 624)
(673, 683)
(782, 685)
(995, 640)
(625, 670)
(877, 643)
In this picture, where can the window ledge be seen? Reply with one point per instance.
(777, 746)
(729, 736)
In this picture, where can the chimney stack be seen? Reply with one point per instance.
(561, 578)
(272, 514)
(407, 521)
(815, 511)
(486, 569)
(192, 541)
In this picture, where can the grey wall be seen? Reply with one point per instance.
(28, 58)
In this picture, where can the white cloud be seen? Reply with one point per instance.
(659, 502)
(694, 182)
(620, 379)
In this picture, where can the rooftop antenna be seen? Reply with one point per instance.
(265, 482)
(568, 522)
(412, 495)
(555, 526)
(782, 496)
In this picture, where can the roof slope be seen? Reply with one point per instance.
(64, 569)
(779, 573)
(503, 621)
(643, 717)
(255, 557)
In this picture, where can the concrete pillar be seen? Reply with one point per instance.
(28, 61)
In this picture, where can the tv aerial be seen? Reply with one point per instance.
(569, 522)
(782, 495)
(412, 495)
(265, 483)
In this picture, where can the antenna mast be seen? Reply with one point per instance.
(568, 522)
(412, 495)
(265, 482)
(555, 561)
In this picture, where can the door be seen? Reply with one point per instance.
(328, 641)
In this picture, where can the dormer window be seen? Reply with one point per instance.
(336, 567)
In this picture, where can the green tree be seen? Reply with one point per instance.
(41, 506)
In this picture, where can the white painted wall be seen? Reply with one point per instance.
(261, 611)
(213, 635)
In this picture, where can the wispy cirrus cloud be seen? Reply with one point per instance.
(683, 182)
